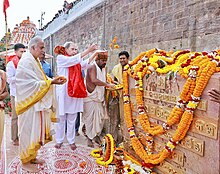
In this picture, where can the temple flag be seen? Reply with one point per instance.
(5, 6)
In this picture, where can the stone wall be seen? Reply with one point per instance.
(143, 24)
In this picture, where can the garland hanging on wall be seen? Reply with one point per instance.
(197, 68)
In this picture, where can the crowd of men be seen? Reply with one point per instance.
(66, 8)
(39, 98)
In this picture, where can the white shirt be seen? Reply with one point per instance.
(66, 103)
(11, 72)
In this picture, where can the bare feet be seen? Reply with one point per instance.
(73, 146)
(16, 142)
(58, 145)
(30, 168)
(37, 161)
(90, 143)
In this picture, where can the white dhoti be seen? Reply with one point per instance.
(94, 109)
(33, 132)
(34, 100)
(93, 117)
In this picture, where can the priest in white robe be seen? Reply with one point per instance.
(34, 99)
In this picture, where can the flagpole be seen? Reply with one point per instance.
(5, 6)
(6, 35)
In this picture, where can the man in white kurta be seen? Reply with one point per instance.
(34, 99)
(11, 67)
(69, 106)
(94, 105)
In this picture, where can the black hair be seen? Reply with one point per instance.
(124, 53)
(18, 46)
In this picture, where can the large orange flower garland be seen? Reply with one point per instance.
(137, 61)
(187, 117)
(205, 72)
(178, 109)
(175, 114)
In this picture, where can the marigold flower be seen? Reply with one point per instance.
(114, 40)
(116, 46)
(83, 164)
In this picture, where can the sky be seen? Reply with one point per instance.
(20, 9)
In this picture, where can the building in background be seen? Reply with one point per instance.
(21, 33)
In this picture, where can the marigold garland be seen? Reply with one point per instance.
(96, 153)
(196, 67)
(108, 158)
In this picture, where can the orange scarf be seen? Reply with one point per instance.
(76, 87)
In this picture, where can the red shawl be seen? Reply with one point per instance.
(76, 87)
(14, 59)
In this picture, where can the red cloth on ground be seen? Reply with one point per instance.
(76, 87)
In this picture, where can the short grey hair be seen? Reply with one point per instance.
(34, 41)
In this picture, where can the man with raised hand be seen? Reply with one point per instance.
(94, 105)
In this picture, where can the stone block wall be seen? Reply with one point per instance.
(143, 24)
